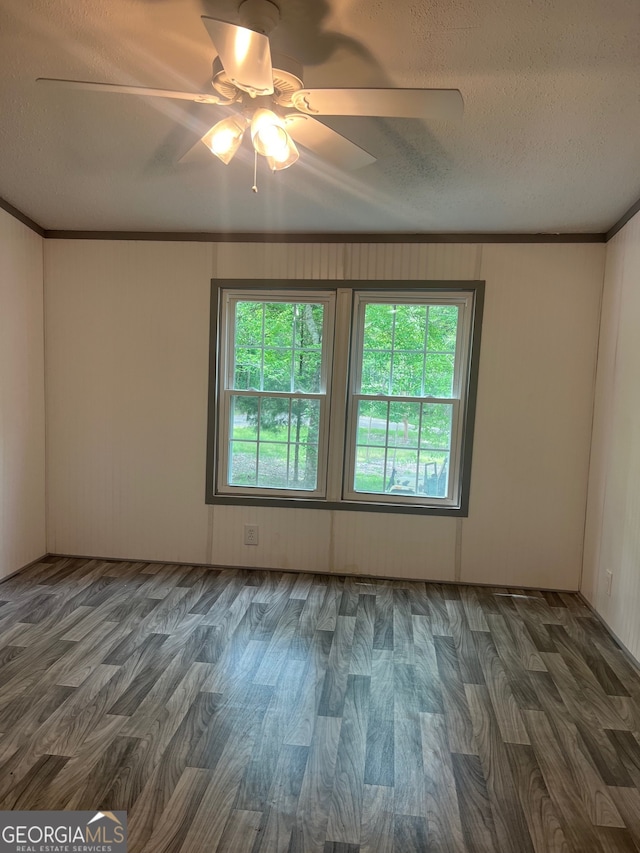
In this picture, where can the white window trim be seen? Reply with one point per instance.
(464, 301)
(230, 298)
(336, 432)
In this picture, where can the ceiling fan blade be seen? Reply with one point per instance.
(245, 56)
(393, 103)
(327, 143)
(196, 97)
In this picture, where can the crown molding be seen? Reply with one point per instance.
(629, 214)
(21, 217)
(313, 237)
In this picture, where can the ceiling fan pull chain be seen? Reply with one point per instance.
(255, 171)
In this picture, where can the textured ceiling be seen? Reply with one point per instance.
(549, 141)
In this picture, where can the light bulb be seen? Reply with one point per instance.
(284, 157)
(273, 140)
(225, 137)
(267, 133)
(223, 141)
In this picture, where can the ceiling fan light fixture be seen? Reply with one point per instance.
(268, 134)
(225, 137)
(284, 158)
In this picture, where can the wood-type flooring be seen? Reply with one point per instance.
(237, 711)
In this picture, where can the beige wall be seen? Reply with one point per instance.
(127, 342)
(612, 541)
(22, 486)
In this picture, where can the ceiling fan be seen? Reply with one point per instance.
(267, 97)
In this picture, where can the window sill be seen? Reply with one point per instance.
(348, 506)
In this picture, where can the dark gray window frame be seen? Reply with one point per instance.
(218, 285)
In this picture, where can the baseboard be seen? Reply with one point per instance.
(219, 567)
(633, 660)
(25, 567)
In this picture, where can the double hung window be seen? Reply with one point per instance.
(273, 403)
(354, 397)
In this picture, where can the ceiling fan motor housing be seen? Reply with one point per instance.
(287, 80)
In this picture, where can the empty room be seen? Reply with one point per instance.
(319, 426)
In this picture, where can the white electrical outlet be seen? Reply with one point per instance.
(609, 579)
(251, 534)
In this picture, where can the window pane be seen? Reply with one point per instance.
(274, 419)
(435, 433)
(443, 328)
(304, 432)
(278, 324)
(248, 369)
(307, 354)
(403, 448)
(387, 447)
(243, 463)
(439, 376)
(410, 327)
(378, 326)
(274, 442)
(434, 474)
(372, 422)
(370, 469)
(408, 349)
(249, 324)
(377, 349)
(277, 370)
(404, 472)
(306, 371)
(404, 423)
(272, 465)
(407, 374)
(309, 319)
(303, 466)
(376, 372)
(278, 346)
(244, 418)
